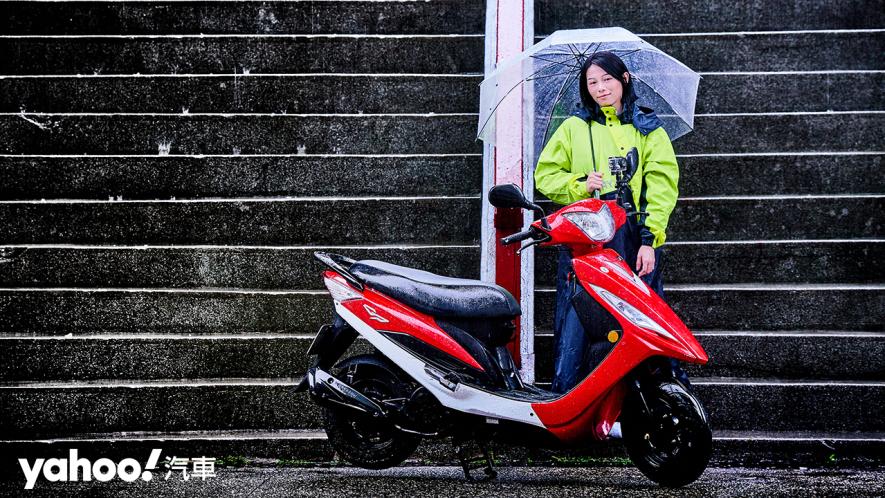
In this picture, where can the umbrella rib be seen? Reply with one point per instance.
(492, 113)
(533, 76)
(550, 75)
(575, 52)
(628, 54)
(555, 62)
(552, 62)
(558, 96)
(661, 96)
(583, 56)
(566, 54)
(530, 77)
(569, 66)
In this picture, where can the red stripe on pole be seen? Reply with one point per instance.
(508, 267)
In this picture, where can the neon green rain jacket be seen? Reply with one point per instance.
(566, 158)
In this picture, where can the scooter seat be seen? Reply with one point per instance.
(437, 295)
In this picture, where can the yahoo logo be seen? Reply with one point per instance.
(75, 469)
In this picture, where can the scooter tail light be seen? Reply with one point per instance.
(598, 226)
(340, 291)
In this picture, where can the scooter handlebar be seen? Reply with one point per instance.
(517, 237)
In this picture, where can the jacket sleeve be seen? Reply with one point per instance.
(660, 187)
(553, 174)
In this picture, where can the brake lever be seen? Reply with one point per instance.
(532, 243)
(634, 213)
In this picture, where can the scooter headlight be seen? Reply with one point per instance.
(598, 226)
(629, 312)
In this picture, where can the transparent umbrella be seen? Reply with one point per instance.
(550, 68)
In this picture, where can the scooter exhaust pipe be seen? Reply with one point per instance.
(326, 388)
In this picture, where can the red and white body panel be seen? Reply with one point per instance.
(402, 319)
(649, 328)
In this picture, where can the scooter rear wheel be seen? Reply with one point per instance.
(358, 438)
(671, 442)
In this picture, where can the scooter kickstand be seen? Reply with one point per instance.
(472, 462)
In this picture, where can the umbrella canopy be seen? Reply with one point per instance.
(549, 71)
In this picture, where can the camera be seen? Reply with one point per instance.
(617, 165)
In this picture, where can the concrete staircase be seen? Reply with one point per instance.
(169, 168)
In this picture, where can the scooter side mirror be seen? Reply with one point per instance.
(508, 196)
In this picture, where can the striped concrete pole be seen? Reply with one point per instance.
(509, 31)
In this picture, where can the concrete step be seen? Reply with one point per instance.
(57, 409)
(779, 405)
(803, 354)
(239, 134)
(38, 410)
(779, 174)
(440, 16)
(845, 261)
(219, 267)
(348, 94)
(171, 17)
(806, 354)
(752, 307)
(772, 51)
(656, 16)
(818, 261)
(796, 92)
(61, 312)
(258, 54)
(162, 177)
(783, 133)
(758, 307)
(159, 177)
(776, 218)
(307, 448)
(405, 220)
(155, 356)
(163, 134)
(718, 93)
(290, 221)
(761, 355)
(771, 218)
(434, 54)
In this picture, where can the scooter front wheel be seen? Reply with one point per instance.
(668, 436)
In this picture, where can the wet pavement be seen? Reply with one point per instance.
(408, 482)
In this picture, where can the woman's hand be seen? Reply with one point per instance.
(645, 260)
(594, 181)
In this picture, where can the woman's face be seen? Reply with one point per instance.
(605, 89)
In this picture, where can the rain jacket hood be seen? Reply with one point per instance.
(642, 118)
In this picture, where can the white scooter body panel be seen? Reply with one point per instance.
(463, 398)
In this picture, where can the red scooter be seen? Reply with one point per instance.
(441, 367)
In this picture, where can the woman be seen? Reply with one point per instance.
(574, 164)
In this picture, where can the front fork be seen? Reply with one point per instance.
(652, 371)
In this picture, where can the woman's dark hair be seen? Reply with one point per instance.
(613, 65)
